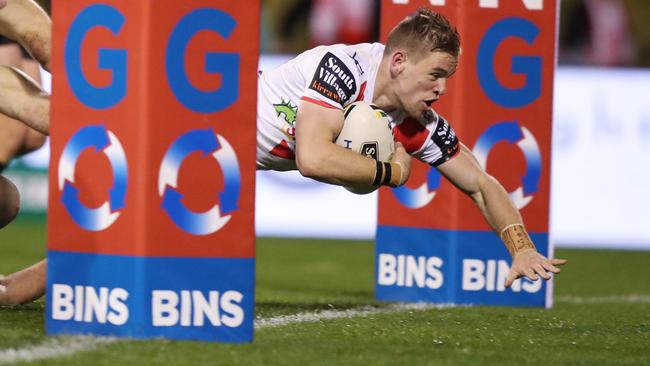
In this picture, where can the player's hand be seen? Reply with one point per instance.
(401, 157)
(3, 3)
(532, 265)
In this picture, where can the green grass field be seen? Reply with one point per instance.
(601, 316)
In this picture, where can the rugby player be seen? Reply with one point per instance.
(300, 115)
(21, 97)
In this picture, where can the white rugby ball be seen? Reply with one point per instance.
(367, 131)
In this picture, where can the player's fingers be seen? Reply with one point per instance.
(531, 274)
(541, 271)
(400, 153)
(549, 267)
(558, 261)
(512, 276)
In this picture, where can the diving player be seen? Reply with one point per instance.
(404, 78)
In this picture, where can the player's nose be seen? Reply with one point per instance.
(441, 87)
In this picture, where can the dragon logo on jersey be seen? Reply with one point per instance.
(288, 112)
(334, 80)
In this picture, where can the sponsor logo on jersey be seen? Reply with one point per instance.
(334, 80)
(356, 63)
(445, 138)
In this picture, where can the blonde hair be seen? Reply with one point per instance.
(423, 31)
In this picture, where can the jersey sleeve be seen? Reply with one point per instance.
(433, 143)
(335, 80)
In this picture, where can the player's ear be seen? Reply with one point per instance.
(397, 62)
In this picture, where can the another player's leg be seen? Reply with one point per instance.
(9, 201)
(21, 98)
(26, 23)
(24, 286)
(12, 133)
(33, 140)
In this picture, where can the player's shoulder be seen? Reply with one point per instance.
(429, 132)
(339, 72)
(440, 127)
(429, 120)
(350, 60)
(443, 137)
(360, 52)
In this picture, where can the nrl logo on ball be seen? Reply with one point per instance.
(366, 130)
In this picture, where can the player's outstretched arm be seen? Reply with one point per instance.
(21, 98)
(500, 213)
(318, 157)
(24, 286)
(26, 23)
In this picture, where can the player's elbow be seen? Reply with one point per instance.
(486, 186)
(310, 164)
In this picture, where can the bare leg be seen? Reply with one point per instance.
(12, 138)
(12, 132)
(33, 139)
(9, 201)
(24, 286)
(10, 54)
(22, 99)
(26, 23)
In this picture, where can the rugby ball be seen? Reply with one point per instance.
(366, 130)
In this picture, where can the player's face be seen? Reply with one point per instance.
(423, 81)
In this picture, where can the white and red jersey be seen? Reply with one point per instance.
(335, 76)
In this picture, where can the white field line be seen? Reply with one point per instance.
(615, 299)
(68, 346)
(53, 348)
(279, 321)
